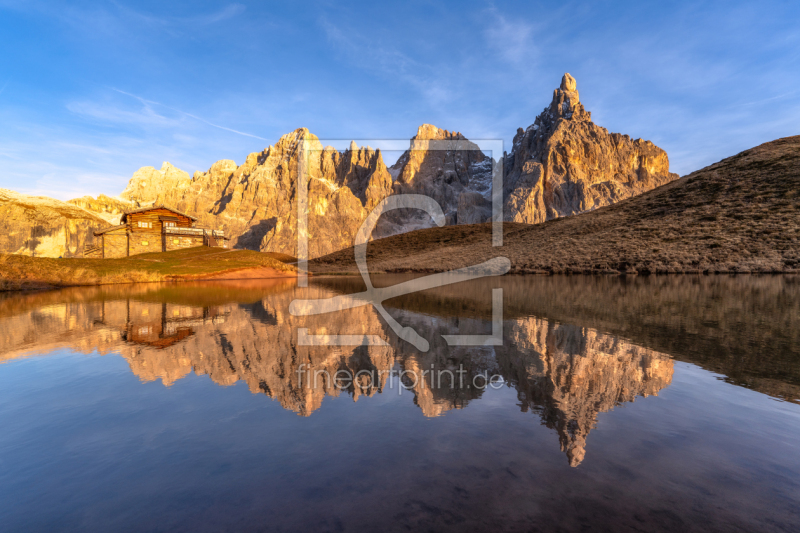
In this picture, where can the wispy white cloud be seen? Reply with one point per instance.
(121, 21)
(190, 115)
(61, 177)
(192, 21)
(765, 100)
(392, 64)
(147, 115)
(228, 12)
(512, 40)
(64, 160)
(111, 113)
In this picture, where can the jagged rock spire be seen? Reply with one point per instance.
(568, 83)
(566, 101)
(564, 164)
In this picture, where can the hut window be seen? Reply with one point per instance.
(169, 224)
(145, 243)
(176, 241)
(145, 224)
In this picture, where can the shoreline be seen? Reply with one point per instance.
(221, 276)
(578, 273)
(256, 273)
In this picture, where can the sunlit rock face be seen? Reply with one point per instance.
(566, 374)
(561, 165)
(243, 332)
(446, 166)
(148, 184)
(564, 164)
(43, 227)
(256, 203)
(108, 208)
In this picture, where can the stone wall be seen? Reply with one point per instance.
(115, 245)
(177, 242)
(142, 243)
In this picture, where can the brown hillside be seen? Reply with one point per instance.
(739, 215)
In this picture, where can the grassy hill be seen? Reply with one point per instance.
(23, 272)
(739, 215)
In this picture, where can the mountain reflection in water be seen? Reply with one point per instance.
(241, 331)
(564, 373)
(580, 362)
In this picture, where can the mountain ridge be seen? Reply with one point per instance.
(741, 214)
(563, 164)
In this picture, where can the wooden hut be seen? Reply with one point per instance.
(154, 229)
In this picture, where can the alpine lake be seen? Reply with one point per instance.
(650, 403)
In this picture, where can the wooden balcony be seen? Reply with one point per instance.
(174, 230)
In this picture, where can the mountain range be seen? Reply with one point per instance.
(561, 165)
(739, 215)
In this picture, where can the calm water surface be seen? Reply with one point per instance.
(646, 404)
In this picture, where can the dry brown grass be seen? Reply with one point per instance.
(739, 215)
(23, 272)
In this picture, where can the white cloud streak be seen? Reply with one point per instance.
(513, 41)
(150, 113)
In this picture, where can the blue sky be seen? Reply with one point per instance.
(90, 92)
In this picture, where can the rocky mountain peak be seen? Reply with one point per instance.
(566, 102)
(430, 132)
(564, 106)
(457, 175)
(568, 83)
(224, 165)
(429, 160)
(564, 164)
(290, 143)
(296, 135)
(148, 183)
(108, 208)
